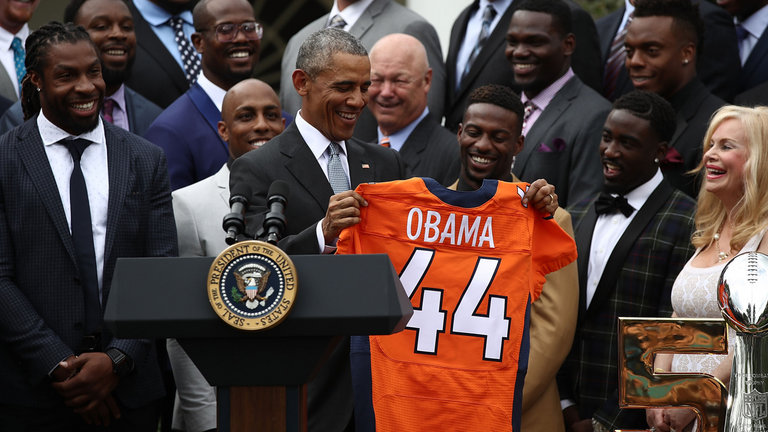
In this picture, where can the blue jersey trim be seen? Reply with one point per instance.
(469, 199)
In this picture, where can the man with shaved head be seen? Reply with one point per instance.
(228, 38)
(250, 116)
(400, 81)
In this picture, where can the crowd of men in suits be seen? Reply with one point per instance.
(149, 111)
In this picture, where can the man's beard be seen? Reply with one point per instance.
(116, 77)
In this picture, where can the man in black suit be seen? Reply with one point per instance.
(662, 47)
(312, 154)
(77, 193)
(158, 73)
(110, 25)
(400, 81)
(563, 115)
(718, 63)
(491, 67)
(751, 18)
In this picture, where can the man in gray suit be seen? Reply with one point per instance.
(563, 117)
(110, 26)
(14, 16)
(400, 81)
(250, 116)
(368, 21)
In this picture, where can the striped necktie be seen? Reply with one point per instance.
(385, 141)
(616, 58)
(337, 22)
(489, 13)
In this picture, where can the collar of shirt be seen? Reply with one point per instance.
(755, 25)
(6, 37)
(52, 134)
(545, 96)
(120, 113)
(213, 91)
(639, 195)
(629, 8)
(608, 231)
(472, 32)
(157, 16)
(397, 139)
(350, 13)
(500, 6)
(316, 141)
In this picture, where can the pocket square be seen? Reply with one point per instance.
(557, 145)
(673, 157)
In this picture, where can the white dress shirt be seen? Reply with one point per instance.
(213, 91)
(474, 25)
(608, 230)
(318, 145)
(94, 165)
(755, 25)
(350, 13)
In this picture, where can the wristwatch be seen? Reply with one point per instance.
(122, 365)
(599, 427)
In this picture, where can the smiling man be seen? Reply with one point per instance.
(563, 116)
(110, 25)
(321, 161)
(662, 46)
(228, 38)
(250, 117)
(632, 239)
(101, 193)
(400, 82)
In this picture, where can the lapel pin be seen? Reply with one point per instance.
(366, 166)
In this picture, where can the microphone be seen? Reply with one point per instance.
(234, 222)
(274, 223)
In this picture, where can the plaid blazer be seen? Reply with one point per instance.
(42, 312)
(637, 281)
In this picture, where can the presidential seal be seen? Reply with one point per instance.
(252, 285)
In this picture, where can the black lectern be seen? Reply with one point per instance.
(337, 296)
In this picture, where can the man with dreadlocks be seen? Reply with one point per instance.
(76, 193)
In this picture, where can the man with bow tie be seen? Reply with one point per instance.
(632, 239)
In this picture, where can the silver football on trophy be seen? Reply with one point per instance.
(742, 292)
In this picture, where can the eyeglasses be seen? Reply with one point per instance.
(227, 32)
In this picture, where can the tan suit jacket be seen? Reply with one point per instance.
(553, 323)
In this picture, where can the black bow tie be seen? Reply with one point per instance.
(607, 204)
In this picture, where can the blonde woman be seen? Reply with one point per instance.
(731, 217)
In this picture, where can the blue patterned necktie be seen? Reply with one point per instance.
(18, 59)
(337, 22)
(82, 237)
(189, 57)
(336, 175)
(489, 13)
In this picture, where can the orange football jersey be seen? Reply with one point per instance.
(471, 263)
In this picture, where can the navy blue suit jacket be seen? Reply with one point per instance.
(42, 312)
(188, 134)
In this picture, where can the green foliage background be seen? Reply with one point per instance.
(599, 8)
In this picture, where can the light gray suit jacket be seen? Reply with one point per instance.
(199, 209)
(562, 146)
(381, 18)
